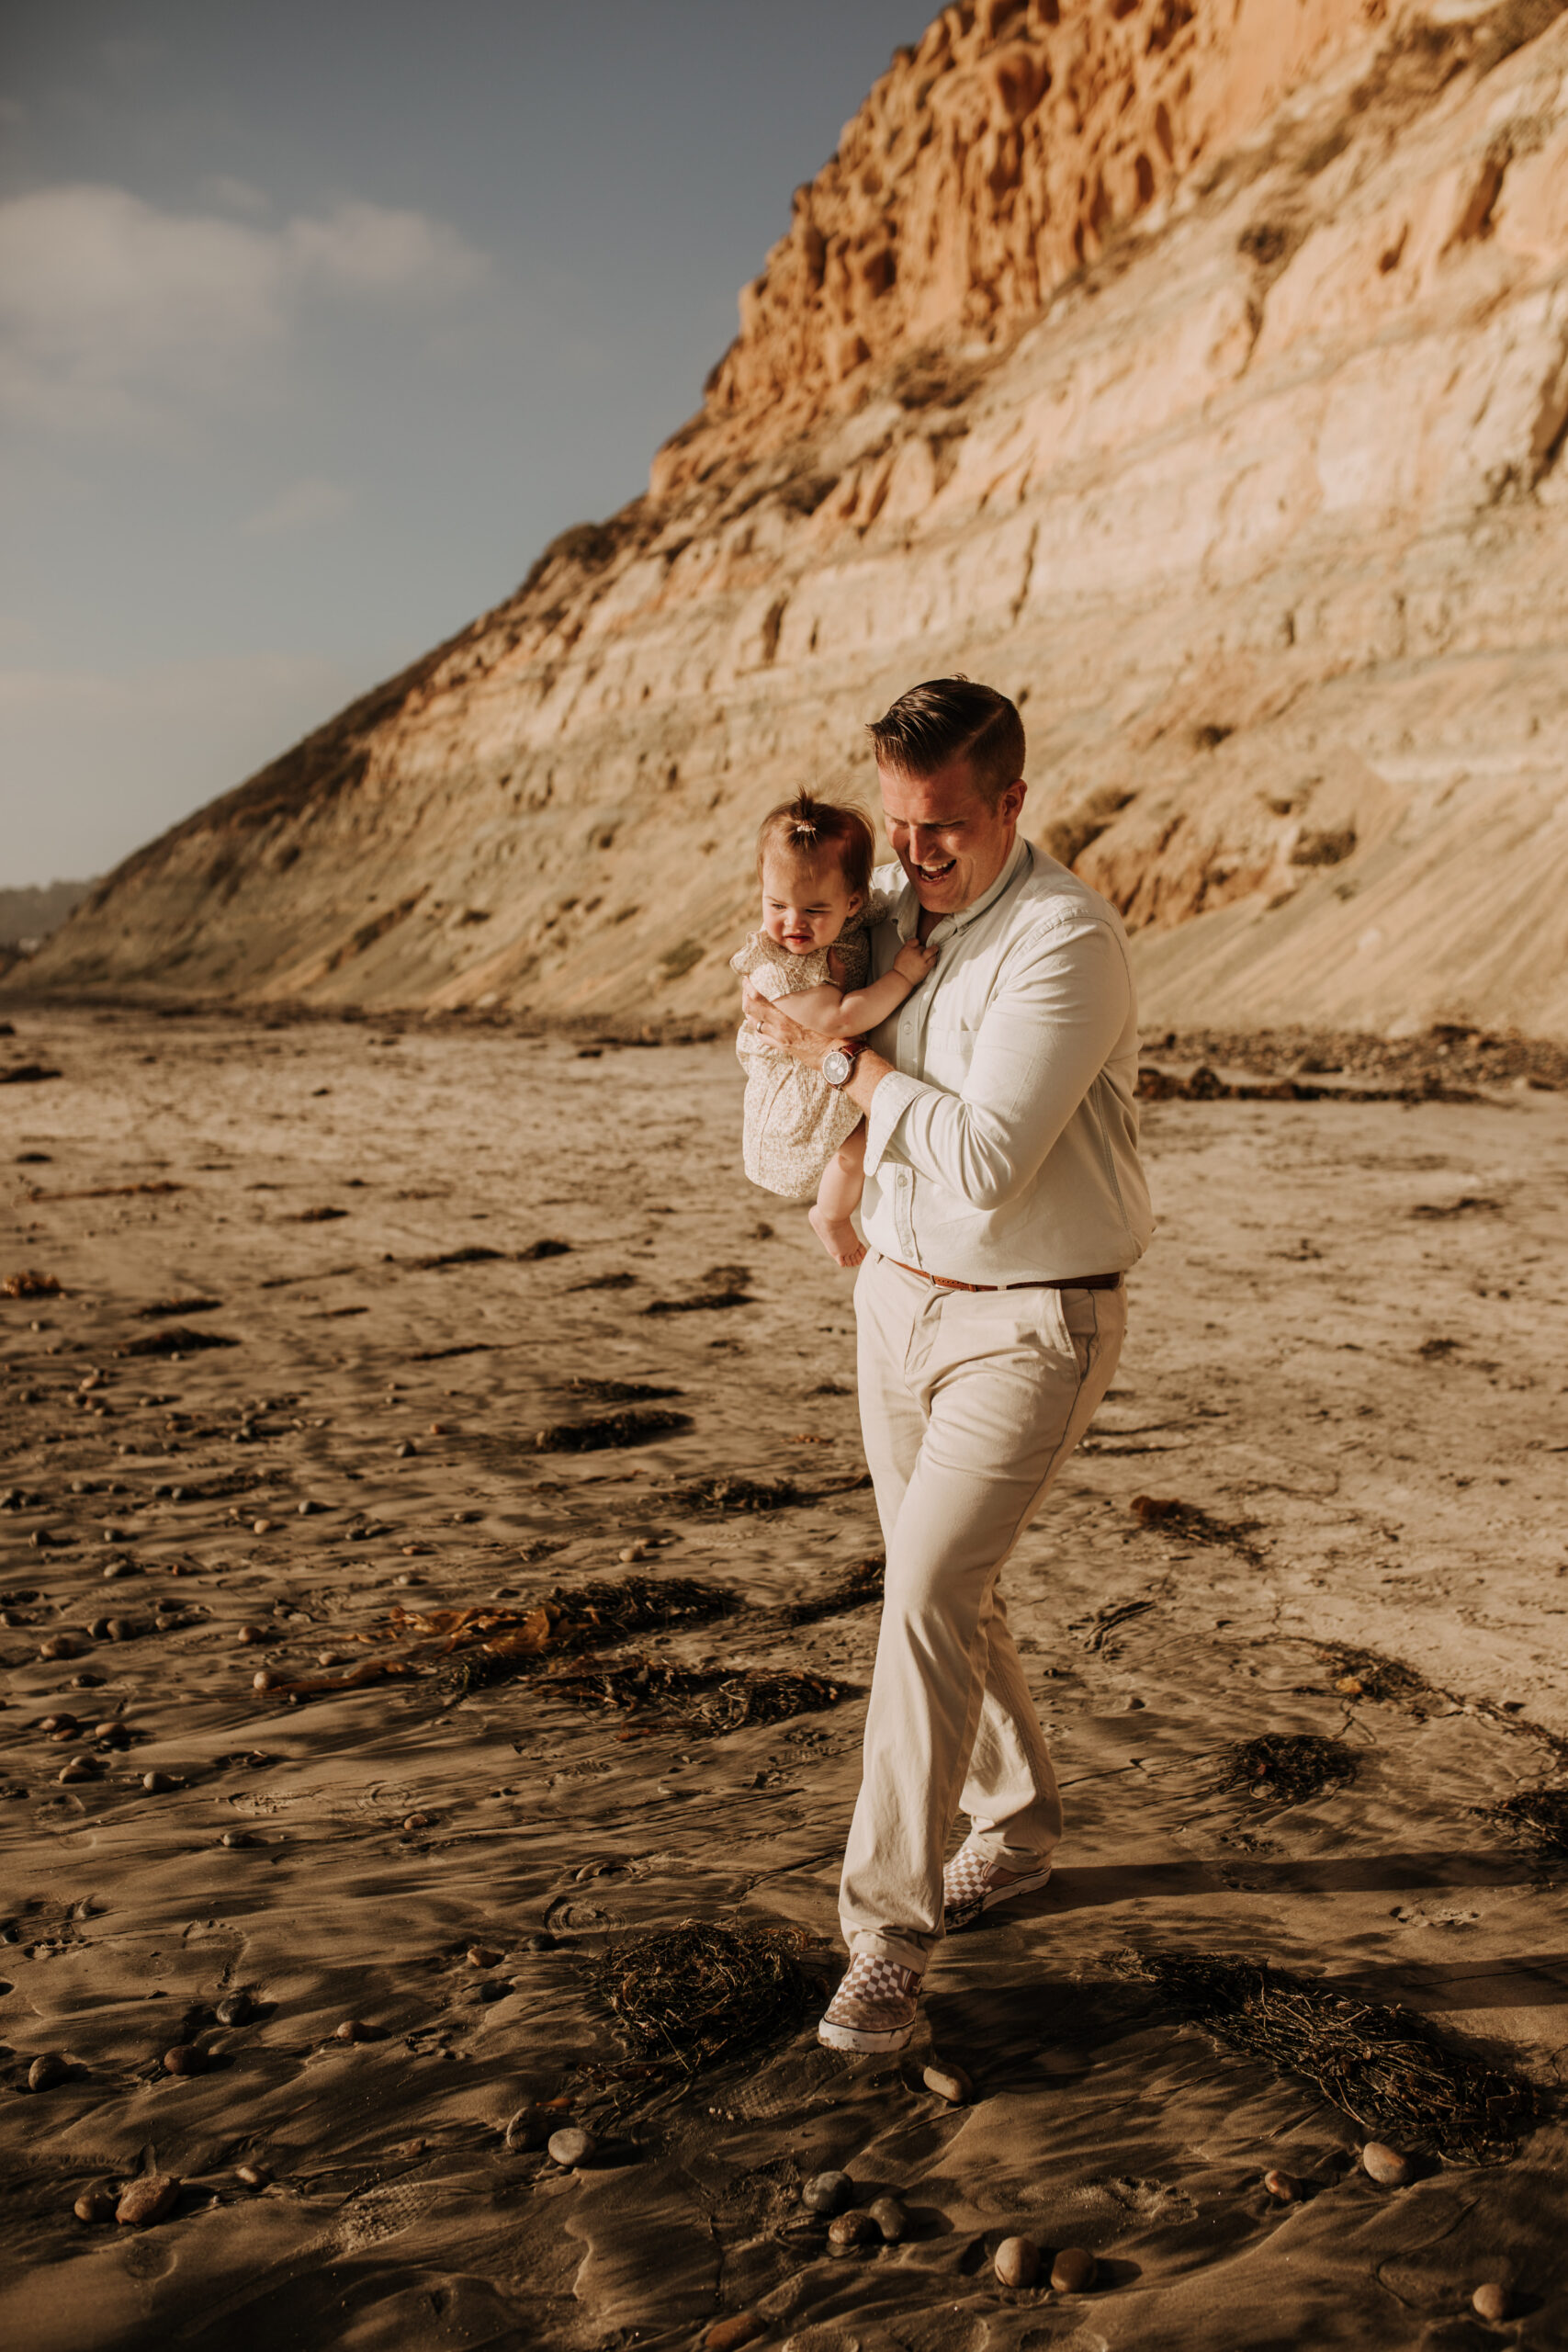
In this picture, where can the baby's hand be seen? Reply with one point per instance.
(913, 961)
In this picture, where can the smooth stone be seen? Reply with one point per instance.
(117, 1734)
(260, 1527)
(541, 1942)
(45, 2072)
(253, 2175)
(1017, 2262)
(155, 1783)
(571, 2147)
(354, 2030)
(404, 1450)
(249, 1635)
(235, 2009)
(123, 1629)
(829, 2192)
(234, 1837)
(81, 1768)
(484, 1956)
(265, 1680)
(1074, 2270)
(147, 2200)
(97, 2203)
(949, 2082)
(854, 2229)
(729, 2334)
(1492, 2301)
(59, 1646)
(891, 2219)
(185, 2058)
(1284, 2186)
(1385, 2165)
(416, 1821)
(529, 2129)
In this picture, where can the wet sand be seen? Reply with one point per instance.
(1348, 1334)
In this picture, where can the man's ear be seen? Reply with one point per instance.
(1012, 798)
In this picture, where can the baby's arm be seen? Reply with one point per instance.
(835, 1013)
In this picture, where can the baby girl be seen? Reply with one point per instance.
(803, 1136)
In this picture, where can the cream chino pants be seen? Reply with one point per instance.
(970, 1403)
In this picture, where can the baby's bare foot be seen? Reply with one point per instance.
(838, 1237)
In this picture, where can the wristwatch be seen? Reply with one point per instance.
(839, 1061)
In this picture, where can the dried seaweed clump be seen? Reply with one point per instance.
(708, 1703)
(1543, 1813)
(698, 1992)
(1287, 1766)
(725, 1495)
(32, 1284)
(1172, 1515)
(1362, 1674)
(490, 1645)
(633, 1427)
(859, 1589)
(1384, 2067)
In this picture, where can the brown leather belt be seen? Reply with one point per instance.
(1072, 1282)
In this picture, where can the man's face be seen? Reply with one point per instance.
(945, 834)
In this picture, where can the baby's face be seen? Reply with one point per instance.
(806, 902)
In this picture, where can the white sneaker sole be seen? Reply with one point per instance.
(854, 2037)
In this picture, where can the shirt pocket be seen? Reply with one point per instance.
(949, 1050)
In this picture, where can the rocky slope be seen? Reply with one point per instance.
(1198, 373)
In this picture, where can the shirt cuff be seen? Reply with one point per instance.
(888, 1104)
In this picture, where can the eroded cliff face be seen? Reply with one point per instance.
(1209, 396)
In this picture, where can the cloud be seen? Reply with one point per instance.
(299, 508)
(115, 315)
(98, 762)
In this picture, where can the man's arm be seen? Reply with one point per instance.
(1043, 1042)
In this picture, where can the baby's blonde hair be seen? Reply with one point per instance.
(805, 826)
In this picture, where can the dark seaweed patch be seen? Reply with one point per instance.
(698, 1992)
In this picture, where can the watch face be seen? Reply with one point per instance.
(836, 1066)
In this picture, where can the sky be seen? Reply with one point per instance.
(318, 319)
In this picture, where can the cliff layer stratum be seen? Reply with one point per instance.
(1196, 371)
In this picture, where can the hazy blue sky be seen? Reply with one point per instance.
(317, 320)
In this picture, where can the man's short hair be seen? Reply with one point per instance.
(953, 719)
(809, 828)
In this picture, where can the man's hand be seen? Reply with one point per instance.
(914, 960)
(805, 1045)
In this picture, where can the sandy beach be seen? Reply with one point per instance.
(421, 1247)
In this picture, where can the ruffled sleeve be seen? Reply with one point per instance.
(773, 973)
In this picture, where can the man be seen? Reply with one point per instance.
(1004, 1202)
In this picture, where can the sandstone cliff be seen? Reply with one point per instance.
(1196, 370)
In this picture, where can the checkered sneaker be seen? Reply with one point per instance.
(971, 1885)
(875, 2006)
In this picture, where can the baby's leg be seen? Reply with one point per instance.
(838, 1197)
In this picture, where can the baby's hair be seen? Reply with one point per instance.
(805, 826)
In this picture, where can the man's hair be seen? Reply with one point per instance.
(807, 827)
(953, 719)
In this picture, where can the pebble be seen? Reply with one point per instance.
(235, 2009)
(634, 1552)
(541, 1942)
(484, 1956)
(260, 1527)
(248, 1635)
(1282, 2186)
(1492, 2301)
(147, 2200)
(123, 1629)
(529, 2129)
(1073, 2271)
(60, 1646)
(253, 2175)
(185, 2058)
(81, 1768)
(265, 1680)
(117, 1734)
(891, 2219)
(949, 2082)
(854, 2229)
(356, 2029)
(1385, 2165)
(156, 1782)
(571, 2147)
(829, 2192)
(416, 1821)
(729, 2334)
(236, 1837)
(97, 2203)
(46, 2071)
(404, 1449)
(1017, 2262)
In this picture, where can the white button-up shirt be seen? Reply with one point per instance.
(1004, 1144)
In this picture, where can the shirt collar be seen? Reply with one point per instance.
(1019, 859)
